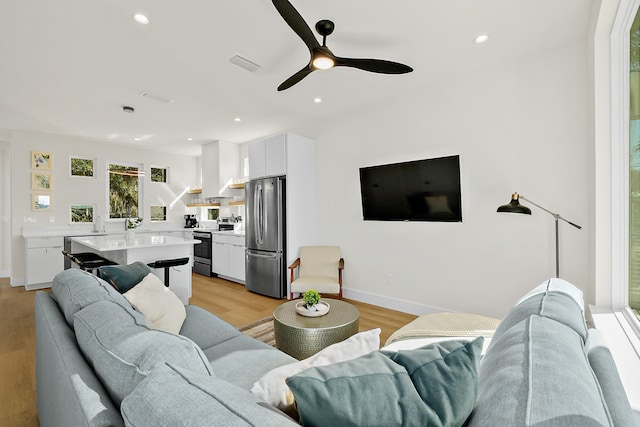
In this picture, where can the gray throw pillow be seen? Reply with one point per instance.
(124, 277)
(435, 385)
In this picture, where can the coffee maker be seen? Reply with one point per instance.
(190, 221)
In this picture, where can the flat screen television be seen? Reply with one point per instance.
(420, 190)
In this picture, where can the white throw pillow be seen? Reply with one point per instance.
(272, 387)
(161, 308)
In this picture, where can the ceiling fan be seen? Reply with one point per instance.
(321, 56)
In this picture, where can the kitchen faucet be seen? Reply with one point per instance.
(126, 220)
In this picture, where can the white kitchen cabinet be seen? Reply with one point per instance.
(220, 168)
(43, 260)
(236, 261)
(268, 157)
(228, 256)
(220, 258)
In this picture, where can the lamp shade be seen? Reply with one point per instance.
(514, 206)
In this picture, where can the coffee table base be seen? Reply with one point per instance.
(301, 336)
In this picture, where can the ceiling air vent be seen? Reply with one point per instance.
(244, 63)
(163, 99)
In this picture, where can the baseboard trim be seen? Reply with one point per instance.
(390, 303)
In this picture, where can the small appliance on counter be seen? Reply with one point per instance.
(226, 224)
(190, 221)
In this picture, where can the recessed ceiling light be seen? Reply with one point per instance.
(137, 139)
(237, 119)
(317, 100)
(141, 19)
(189, 139)
(481, 39)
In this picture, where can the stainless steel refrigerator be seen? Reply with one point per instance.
(265, 236)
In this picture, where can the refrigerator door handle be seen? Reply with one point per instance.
(256, 255)
(257, 214)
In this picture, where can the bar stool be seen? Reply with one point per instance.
(167, 264)
(88, 261)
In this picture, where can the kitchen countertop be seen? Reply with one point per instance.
(116, 242)
(214, 231)
(68, 231)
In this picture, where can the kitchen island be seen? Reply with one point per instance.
(146, 248)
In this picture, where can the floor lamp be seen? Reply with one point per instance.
(515, 207)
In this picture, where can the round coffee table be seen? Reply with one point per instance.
(301, 336)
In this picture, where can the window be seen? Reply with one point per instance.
(125, 185)
(81, 213)
(81, 167)
(158, 213)
(159, 174)
(634, 167)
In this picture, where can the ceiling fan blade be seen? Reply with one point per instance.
(374, 65)
(296, 78)
(296, 22)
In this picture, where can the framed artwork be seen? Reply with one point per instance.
(41, 160)
(41, 181)
(41, 202)
(81, 213)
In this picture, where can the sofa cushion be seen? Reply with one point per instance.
(123, 352)
(536, 373)
(554, 305)
(171, 396)
(435, 385)
(124, 277)
(161, 308)
(242, 360)
(74, 289)
(205, 328)
(272, 387)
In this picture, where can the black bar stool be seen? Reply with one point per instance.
(167, 264)
(88, 261)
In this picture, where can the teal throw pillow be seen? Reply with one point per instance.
(435, 385)
(124, 277)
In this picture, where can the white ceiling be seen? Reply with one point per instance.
(68, 66)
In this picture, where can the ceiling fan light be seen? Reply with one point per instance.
(323, 63)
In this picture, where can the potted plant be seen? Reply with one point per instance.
(132, 224)
(311, 298)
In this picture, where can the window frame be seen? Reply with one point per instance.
(141, 175)
(166, 174)
(620, 138)
(93, 161)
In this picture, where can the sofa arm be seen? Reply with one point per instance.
(67, 390)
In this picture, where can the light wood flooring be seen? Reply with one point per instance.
(231, 301)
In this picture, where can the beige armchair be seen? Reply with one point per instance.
(319, 268)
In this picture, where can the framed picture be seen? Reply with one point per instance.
(41, 160)
(41, 202)
(41, 181)
(79, 166)
(81, 213)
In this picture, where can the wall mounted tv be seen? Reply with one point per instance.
(421, 190)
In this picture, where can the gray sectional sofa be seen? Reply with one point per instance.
(98, 365)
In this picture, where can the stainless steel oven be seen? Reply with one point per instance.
(202, 253)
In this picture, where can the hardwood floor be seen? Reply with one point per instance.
(231, 301)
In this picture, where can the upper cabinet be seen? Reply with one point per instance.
(268, 157)
(220, 168)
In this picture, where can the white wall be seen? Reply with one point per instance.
(5, 206)
(521, 127)
(67, 190)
